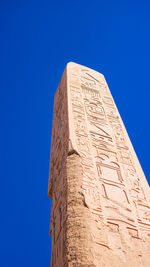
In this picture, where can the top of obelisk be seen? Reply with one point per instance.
(73, 64)
(97, 75)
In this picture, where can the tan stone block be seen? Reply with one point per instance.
(100, 212)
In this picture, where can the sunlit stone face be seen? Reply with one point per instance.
(100, 212)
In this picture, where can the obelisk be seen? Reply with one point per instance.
(100, 213)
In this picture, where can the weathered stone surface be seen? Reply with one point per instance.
(100, 212)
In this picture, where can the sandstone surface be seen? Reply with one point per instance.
(100, 213)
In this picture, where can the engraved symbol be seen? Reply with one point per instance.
(87, 80)
(108, 101)
(108, 170)
(94, 108)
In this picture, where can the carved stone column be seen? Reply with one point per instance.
(100, 212)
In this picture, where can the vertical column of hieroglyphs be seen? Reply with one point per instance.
(114, 197)
(57, 179)
(137, 189)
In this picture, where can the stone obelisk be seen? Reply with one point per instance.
(100, 213)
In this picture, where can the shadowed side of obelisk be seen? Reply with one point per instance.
(58, 177)
(79, 239)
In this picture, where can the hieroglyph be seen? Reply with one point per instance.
(100, 213)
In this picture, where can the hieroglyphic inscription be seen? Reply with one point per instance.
(90, 191)
(108, 138)
(106, 186)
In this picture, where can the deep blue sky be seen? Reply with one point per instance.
(38, 38)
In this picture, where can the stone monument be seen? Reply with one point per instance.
(100, 213)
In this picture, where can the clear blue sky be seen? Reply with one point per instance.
(38, 38)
